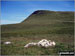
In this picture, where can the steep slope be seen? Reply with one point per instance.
(42, 22)
(47, 17)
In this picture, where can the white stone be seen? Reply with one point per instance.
(30, 44)
(7, 42)
(43, 43)
(54, 43)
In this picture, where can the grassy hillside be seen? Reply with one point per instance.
(54, 25)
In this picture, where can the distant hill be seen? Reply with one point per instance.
(42, 22)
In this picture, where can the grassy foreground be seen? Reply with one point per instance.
(17, 46)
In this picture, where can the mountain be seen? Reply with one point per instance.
(44, 17)
(42, 22)
(56, 26)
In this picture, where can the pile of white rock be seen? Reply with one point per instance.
(43, 43)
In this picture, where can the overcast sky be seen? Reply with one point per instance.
(17, 11)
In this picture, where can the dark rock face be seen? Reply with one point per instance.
(39, 12)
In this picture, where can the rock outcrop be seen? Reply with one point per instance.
(43, 43)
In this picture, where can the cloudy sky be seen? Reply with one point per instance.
(17, 11)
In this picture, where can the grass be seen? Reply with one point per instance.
(18, 43)
(56, 26)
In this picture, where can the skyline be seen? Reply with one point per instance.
(17, 11)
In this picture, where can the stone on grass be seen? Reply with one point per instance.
(43, 43)
(30, 44)
(8, 42)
